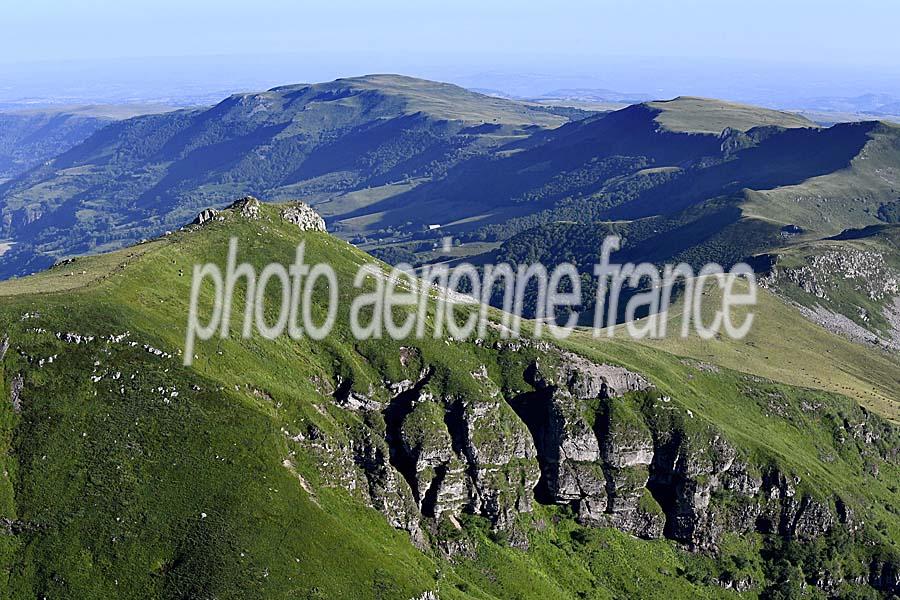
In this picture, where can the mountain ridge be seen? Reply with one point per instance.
(154, 171)
(468, 470)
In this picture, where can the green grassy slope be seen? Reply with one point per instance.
(847, 198)
(116, 486)
(786, 347)
(854, 275)
(705, 115)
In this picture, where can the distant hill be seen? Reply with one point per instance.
(30, 137)
(648, 159)
(685, 180)
(704, 115)
(143, 175)
(386, 158)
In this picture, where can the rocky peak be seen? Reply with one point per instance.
(247, 207)
(297, 213)
(303, 216)
(205, 217)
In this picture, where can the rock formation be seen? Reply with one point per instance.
(303, 216)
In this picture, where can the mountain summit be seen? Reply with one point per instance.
(144, 175)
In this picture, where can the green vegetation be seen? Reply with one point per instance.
(855, 275)
(142, 176)
(128, 475)
(783, 346)
(704, 115)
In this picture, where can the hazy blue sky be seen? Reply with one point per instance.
(850, 45)
(814, 31)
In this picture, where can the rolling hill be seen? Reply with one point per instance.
(629, 164)
(147, 174)
(397, 163)
(30, 137)
(415, 468)
(688, 114)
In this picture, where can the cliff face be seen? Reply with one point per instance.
(594, 437)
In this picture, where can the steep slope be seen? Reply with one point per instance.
(854, 196)
(511, 468)
(850, 283)
(144, 175)
(644, 160)
(783, 346)
(29, 138)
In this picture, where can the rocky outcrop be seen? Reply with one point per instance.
(297, 213)
(627, 453)
(247, 207)
(592, 455)
(303, 216)
(384, 487)
(832, 278)
(458, 454)
(596, 438)
(205, 217)
(500, 456)
(15, 392)
(586, 379)
(885, 577)
(790, 513)
(582, 378)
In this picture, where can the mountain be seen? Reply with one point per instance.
(689, 180)
(29, 138)
(602, 163)
(417, 468)
(395, 164)
(141, 176)
(378, 155)
(656, 174)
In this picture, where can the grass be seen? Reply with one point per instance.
(686, 114)
(785, 347)
(126, 490)
(847, 198)
(876, 247)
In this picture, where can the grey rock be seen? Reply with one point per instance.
(303, 216)
(384, 488)
(587, 379)
(15, 394)
(247, 207)
(205, 217)
(500, 455)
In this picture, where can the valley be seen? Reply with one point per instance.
(431, 467)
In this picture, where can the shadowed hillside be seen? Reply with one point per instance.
(141, 176)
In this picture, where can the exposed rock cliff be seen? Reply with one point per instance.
(594, 437)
